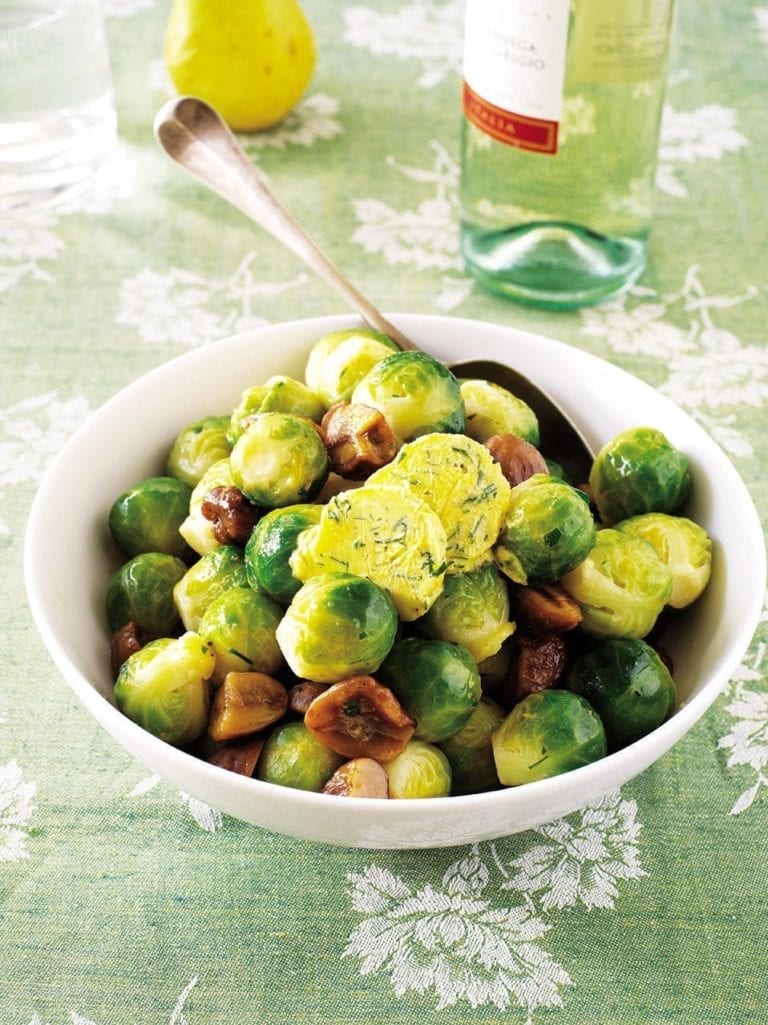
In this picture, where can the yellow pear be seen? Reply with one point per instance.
(250, 59)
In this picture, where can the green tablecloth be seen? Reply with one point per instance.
(124, 901)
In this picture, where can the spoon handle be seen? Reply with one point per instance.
(195, 136)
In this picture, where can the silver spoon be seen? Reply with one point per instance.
(194, 135)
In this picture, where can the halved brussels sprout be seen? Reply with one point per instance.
(548, 529)
(415, 393)
(470, 751)
(338, 361)
(141, 590)
(197, 447)
(546, 734)
(271, 545)
(241, 625)
(621, 586)
(460, 481)
(420, 770)
(147, 517)
(279, 460)
(472, 610)
(164, 687)
(627, 684)
(337, 625)
(204, 581)
(294, 757)
(384, 534)
(437, 683)
(196, 530)
(492, 409)
(638, 471)
(280, 394)
(682, 545)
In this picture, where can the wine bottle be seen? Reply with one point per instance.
(562, 103)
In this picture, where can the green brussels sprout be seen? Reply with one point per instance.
(470, 751)
(204, 581)
(270, 546)
(337, 625)
(147, 517)
(294, 757)
(197, 447)
(142, 590)
(241, 625)
(415, 393)
(638, 471)
(196, 530)
(627, 684)
(548, 530)
(621, 586)
(472, 610)
(545, 734)
(682, 545)
(420, 770)
(280, 394)
(164, 687)
(492, 409)
(279, 460)
(340, 360)
(437, 683)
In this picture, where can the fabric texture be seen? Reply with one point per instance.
(124, 901)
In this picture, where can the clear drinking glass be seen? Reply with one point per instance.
(562, 103)
(57, 113)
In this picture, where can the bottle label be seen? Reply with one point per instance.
(514, 69)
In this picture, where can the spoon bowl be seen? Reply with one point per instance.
(194, 135)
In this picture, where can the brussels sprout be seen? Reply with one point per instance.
(163, 687)
(271, 545)
(147, 517)
(472, 610)
(682, 545)
(196, 530)
(415, 393)
(492, 409)
(338, 361)
(420, 770)
(294, 757)
(627, 684)
(203, 582)
(241, 625)
(197, 447)
(638, 471)
(279, 394)
(621, 586)
(459, 480)
(279, 460)
(547, 531)
(142, 590)
(547, 733)
(470, 751)
(437, 683)
(337, 625)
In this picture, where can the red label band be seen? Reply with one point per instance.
(529, 133)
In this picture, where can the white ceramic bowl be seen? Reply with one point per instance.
(69, 557)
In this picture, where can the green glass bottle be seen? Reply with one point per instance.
(562, 106)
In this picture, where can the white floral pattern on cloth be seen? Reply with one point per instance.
(747, 741)
(207, 818)
(427, 32)
(761, 21)
(126, 8)
(32, 431)
(453, 939)
(16, 810)
(687, 136)
(178, 1014)
(709, 371)
(314, 119)
(179, 306)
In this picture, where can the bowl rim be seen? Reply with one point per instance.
(149, 749)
